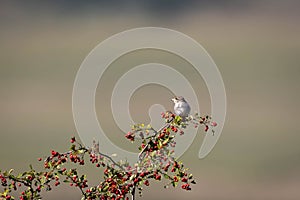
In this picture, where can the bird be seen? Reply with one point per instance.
(181, 107)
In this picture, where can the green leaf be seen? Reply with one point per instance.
(83, 177)
(5, 192)
(105, 188)
(131, 177)
(11, 176)
(169, 129)
(81, 151)
(166, 176)
(159, 145)
(174, 183)
(73, 147)
(24, 173)
(153, 153)
(10, 171)
(19, 176)
(166, 141)
(178, 119)
(181, 174)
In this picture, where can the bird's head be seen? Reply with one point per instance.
(178, 99)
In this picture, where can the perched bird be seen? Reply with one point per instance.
(181, 107)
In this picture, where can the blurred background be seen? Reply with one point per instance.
(254, 43)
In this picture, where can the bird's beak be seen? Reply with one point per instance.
(173, 99)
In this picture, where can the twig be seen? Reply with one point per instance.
(156, 132)
(112, 160)
(133, 193)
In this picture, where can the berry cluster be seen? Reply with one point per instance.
(120, 179)
(206, 121)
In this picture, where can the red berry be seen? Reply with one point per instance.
(173, 169)
(206, 128)
(186, 186)
(136, 180)
(184, 180)
(146, 183)
(166, 168)
(130, 136)
(175, 179)
(54, 153)
(109, 180)
(213, 123)
(158, 177)
(73, 140)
